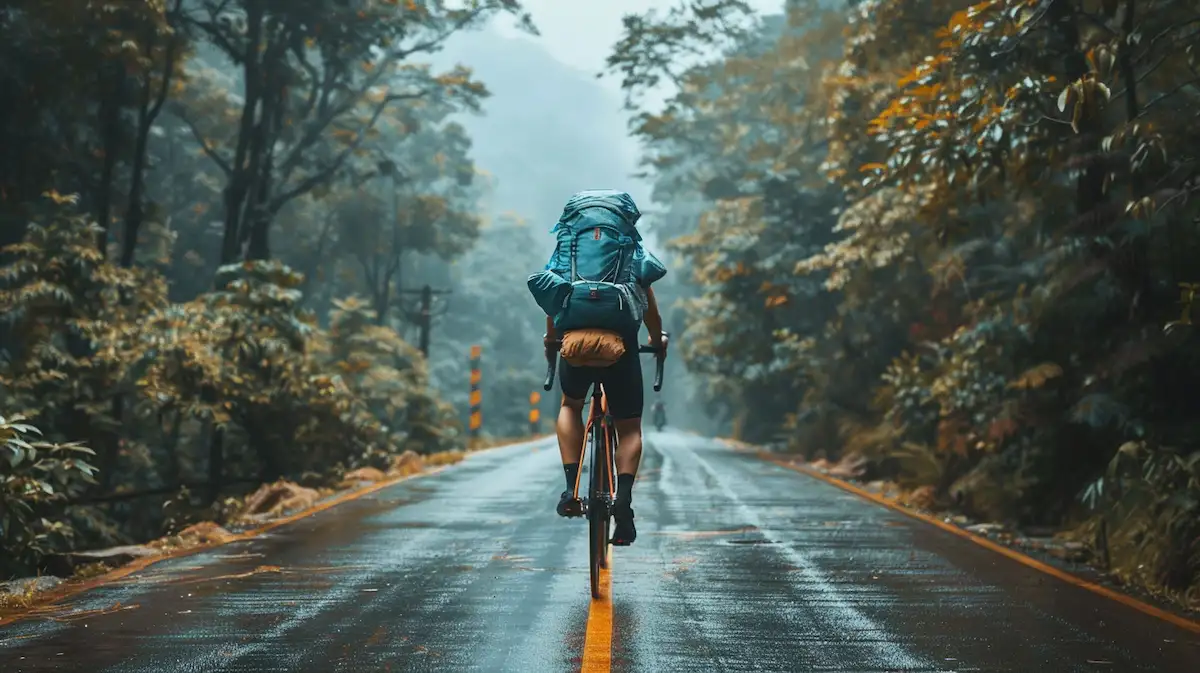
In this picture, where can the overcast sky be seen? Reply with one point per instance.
(580, 33)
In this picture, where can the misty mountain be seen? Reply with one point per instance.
(547, 131)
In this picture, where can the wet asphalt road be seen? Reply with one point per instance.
(740, 565)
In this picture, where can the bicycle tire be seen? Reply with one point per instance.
(597, 512)
(608, 482)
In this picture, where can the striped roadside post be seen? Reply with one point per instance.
(476, 398)
(535, 414)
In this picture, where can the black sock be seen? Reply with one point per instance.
(572, 470)
(625, 488)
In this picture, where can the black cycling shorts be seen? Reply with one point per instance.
(622, 382)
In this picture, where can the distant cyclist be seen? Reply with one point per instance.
(596, 294)
(660, 415)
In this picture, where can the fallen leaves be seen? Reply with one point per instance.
(277, 499)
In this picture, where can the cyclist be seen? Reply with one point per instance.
(587, 213)
(660, 415)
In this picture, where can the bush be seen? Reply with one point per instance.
(36, 478)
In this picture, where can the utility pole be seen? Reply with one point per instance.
(424, 315)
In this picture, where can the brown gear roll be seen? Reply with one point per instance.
(592, 348)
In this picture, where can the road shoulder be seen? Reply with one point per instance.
(48, 603)
(1162, 611)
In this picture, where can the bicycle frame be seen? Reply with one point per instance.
(598, 416)
(600, 432)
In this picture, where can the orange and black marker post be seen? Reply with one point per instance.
(535, 414)
(476, 398)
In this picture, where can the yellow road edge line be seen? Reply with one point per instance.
(1124, 599)
(597, 639)
(55, 596)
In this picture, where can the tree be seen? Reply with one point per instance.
(490, 310)
(739, 148)
(428, 205)
(58, 60)
(1008, 235)
(67, 308)
(316, 77)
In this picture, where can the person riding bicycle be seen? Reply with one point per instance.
(660, 414)
(596, 293)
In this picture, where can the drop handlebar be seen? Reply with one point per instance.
(660, 357)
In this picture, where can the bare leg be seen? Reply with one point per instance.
(570, 430)
(629, 456)
(629, 445)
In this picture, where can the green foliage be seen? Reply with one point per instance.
(318, 77)
(35, 478)
(652, 43)
(1001, 233)
(99, 353)
(390, 377)
(66, 309)
(246, 358)
(148, 314)
(491, 310)
(1151, 494)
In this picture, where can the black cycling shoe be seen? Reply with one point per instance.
(569, 505)
(624, 532)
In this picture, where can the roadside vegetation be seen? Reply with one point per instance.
(953, 243)
(208, 211)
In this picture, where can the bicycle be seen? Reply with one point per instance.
(602, 470)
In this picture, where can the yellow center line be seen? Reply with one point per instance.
(597, 641)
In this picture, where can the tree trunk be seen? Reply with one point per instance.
(1089, 190)
(385, 301)
(317, 260)
(216, 464)
(110, 134)
(270, 125)
(238, 187)
(147, 114)
(272, 465)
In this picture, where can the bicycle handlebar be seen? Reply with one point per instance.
(660, 357)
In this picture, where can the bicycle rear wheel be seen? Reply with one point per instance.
(599, 514)
(610, 496)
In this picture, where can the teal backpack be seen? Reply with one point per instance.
(598, 273)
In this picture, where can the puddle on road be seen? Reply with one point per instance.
(693, 534)
(260, 570)
(376, 526)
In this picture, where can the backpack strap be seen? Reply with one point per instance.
(574, 251)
